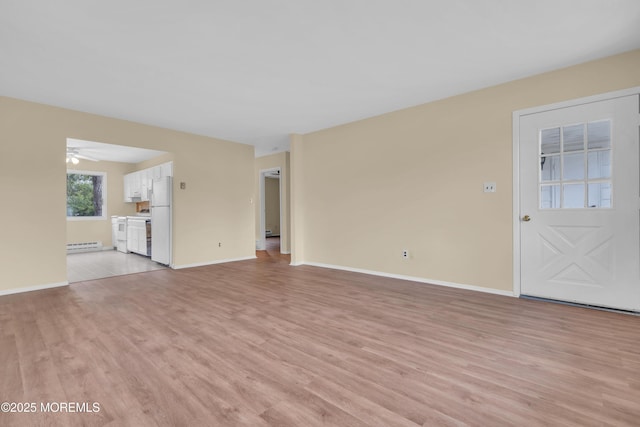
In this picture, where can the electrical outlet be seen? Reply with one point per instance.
(405, 254)
(489, 187)
(183, 185)
(219, 244)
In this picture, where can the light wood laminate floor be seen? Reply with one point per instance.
(260, 343)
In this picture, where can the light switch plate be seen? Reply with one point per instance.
(489, 187)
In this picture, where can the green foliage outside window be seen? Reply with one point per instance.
(84, 195)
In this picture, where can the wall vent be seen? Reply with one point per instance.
(73, 248)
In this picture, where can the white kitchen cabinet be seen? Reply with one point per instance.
(144, 186)
(138, 235)
(128, 191)
(132, 236)
(125, 193)
(146, 180)
(138, 185)
(114, 231)
(131, 186)
(156, 172)
(166, 169)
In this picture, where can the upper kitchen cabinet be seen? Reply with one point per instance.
(132, 189)
(146, 179)
(137, 185)
(166, 169)
(128, 187)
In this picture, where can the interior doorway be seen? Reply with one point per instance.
(92, 204)
(270, 209)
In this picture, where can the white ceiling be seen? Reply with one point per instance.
(254, 71)
(111, 152)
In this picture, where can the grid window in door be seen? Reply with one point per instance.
(575, 166)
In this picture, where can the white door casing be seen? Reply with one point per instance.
(581, 193)
(261, 243)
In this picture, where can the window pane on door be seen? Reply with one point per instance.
(599, 135)
(550, 197)
(573, 196)
(573, 138)
(600, 195)
(599, 164)
(573, 166)
(550, 168)
(550, 141)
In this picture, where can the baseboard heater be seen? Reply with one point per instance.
(73, 248)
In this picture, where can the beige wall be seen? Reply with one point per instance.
(89, 230)
(163, 158)
(215, 207)
(272, 205)
(412, 179)
(282, 161)
(297, 200)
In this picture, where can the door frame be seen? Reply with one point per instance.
(516, 165)
(262, 241)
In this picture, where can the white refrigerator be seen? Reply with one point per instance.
(161, 220)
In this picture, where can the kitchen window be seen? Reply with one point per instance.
(86, 195)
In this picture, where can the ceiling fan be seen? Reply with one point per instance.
(74, 155)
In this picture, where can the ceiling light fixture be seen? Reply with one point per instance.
(74, 155)
(72, 158)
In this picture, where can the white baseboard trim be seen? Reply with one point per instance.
(410, 278)
(220, 261)
(32, 288)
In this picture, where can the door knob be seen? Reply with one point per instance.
(526, 218)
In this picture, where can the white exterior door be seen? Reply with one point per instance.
(579, 204)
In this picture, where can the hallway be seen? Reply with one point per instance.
(272, 253)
